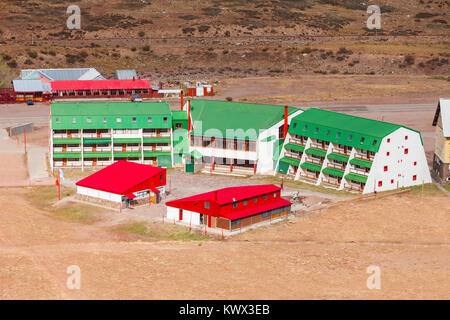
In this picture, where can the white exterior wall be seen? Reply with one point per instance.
(401, 168)
(99, 194)
(188, 216)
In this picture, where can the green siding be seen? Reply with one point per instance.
(361, 163)
(356, 177)
(156, 140)
(333, 172)
(283, 167)
(311, 166)
(64, 155)
(67, 141)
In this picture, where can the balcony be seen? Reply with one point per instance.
(334, 183)
(127, 149)
(158, 148)
(319, 146)
(60, 149)
(354, 187)
(298, 141)
(293, 155)
(334, 165)
(341, 151)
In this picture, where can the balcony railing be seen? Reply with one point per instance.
(359, 171)
(129, 149)
(318, 146)
(314, 160)
(298, 141)
(154, 135)
(60, 149)
(354, 188)
(331, 182)
(308, 177)
(336, 166)
(293, 155)
(341, 151)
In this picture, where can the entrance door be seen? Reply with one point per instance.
(94, 162)
(180, 215)
(64, 149)
(99, 134)
(209, 221)
(124, 147)
(153, 146)
(94, 148)
(69, 134)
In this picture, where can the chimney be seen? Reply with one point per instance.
(134, 78)
(285, 128)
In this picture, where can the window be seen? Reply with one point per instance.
(350, 137)
(89, 120)
(388, 153)
(375, 142)
(245, 202)
(389, 140)
(415, 163)
(118, 120)
(380, 183)
(104, 120)
(160, 178)
(134, 119)
(362, 140)
(414, 177)
(57, 120)
(178, 125)
(406, 151)
(165, 119)
(265, 197)
(234, 205)
(328, 132)
(274, 195)
(385, 168)
(255, 200)
(316, 131)
(207, 205)
(305, 127)
(406, 137)
(392, 181)
(74, 120)
(338, 135)
(149, 119)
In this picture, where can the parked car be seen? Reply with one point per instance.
(30, 102)
(136, 98)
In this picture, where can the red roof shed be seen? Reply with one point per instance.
(123, 177)
(127, 84)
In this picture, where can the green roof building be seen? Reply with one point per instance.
(357, 154)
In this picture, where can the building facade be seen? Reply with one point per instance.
(356, 154)
(441, 158)
(101, 133)
(233, 137)
(230, 208)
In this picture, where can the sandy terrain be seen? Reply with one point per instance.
(316, 256)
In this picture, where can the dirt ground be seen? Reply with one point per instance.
(317, 256)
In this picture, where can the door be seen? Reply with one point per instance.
(99, 134)
(64, 149)
(94, 148)
(69, 134)
(153, 146)
(180, 215)
(94, 162)
(124, 147)
(209, 221)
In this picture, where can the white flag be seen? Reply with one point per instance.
(61, 174)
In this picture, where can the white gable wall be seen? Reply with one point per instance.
(188, 216)
(99, 194)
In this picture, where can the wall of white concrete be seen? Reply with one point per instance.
(99, 194)
(188, 216)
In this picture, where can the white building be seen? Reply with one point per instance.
(347, 152)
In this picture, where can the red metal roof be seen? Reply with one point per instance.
(120, 177)
(101, 84)
(226, 195)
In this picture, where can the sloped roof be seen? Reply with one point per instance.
(28, 86)
(63, 74)
(443, 109)
(120, 177)
(101, 84)
(229, 195)
(341, 128)
(109, 108)
(218, 116)
(126, 74)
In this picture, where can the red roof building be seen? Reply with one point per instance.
(230, 208)
(123, 182)
(102, 88)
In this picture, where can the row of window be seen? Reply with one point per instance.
(105, 120)
(380, 183)
(112, 92)
(220, 143)
(338, 134)
(264, 214)
(245, 202)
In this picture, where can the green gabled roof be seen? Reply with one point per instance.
(127, 154)
(344, 129)
(311, 166)
(316, 152)
(356, 177)
(338, 157)
(361, 163)
(104, 115)
(156, 140)
(97, 141)
(294, 162)
(295, 147)
(97, 155)
(127, 140)
(62, 155)
(67, 141)
(333, 172)
(196, 154)
(249, 118)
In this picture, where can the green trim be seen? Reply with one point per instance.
(156, 140)
(361, 163)
(97, 155)
(338, 157)
(356, 177)
(333, 172)
(196, 155)
(63, 155)
(156, 153)
(127, 140)
(294, 162)
(67, 141)
(97, 141)
(295, 147)
(269, 138)
(127, 154)
(316, 152)
(311, 166)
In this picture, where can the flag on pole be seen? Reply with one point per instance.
(61, 174)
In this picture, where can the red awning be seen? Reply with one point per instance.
(155, 190)
(130, 196)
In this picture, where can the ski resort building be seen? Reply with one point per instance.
(236, 138)
(48, 75)
(101, 133)
(347, 152)
(230, 208)
(123, 184)
(441, 159)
